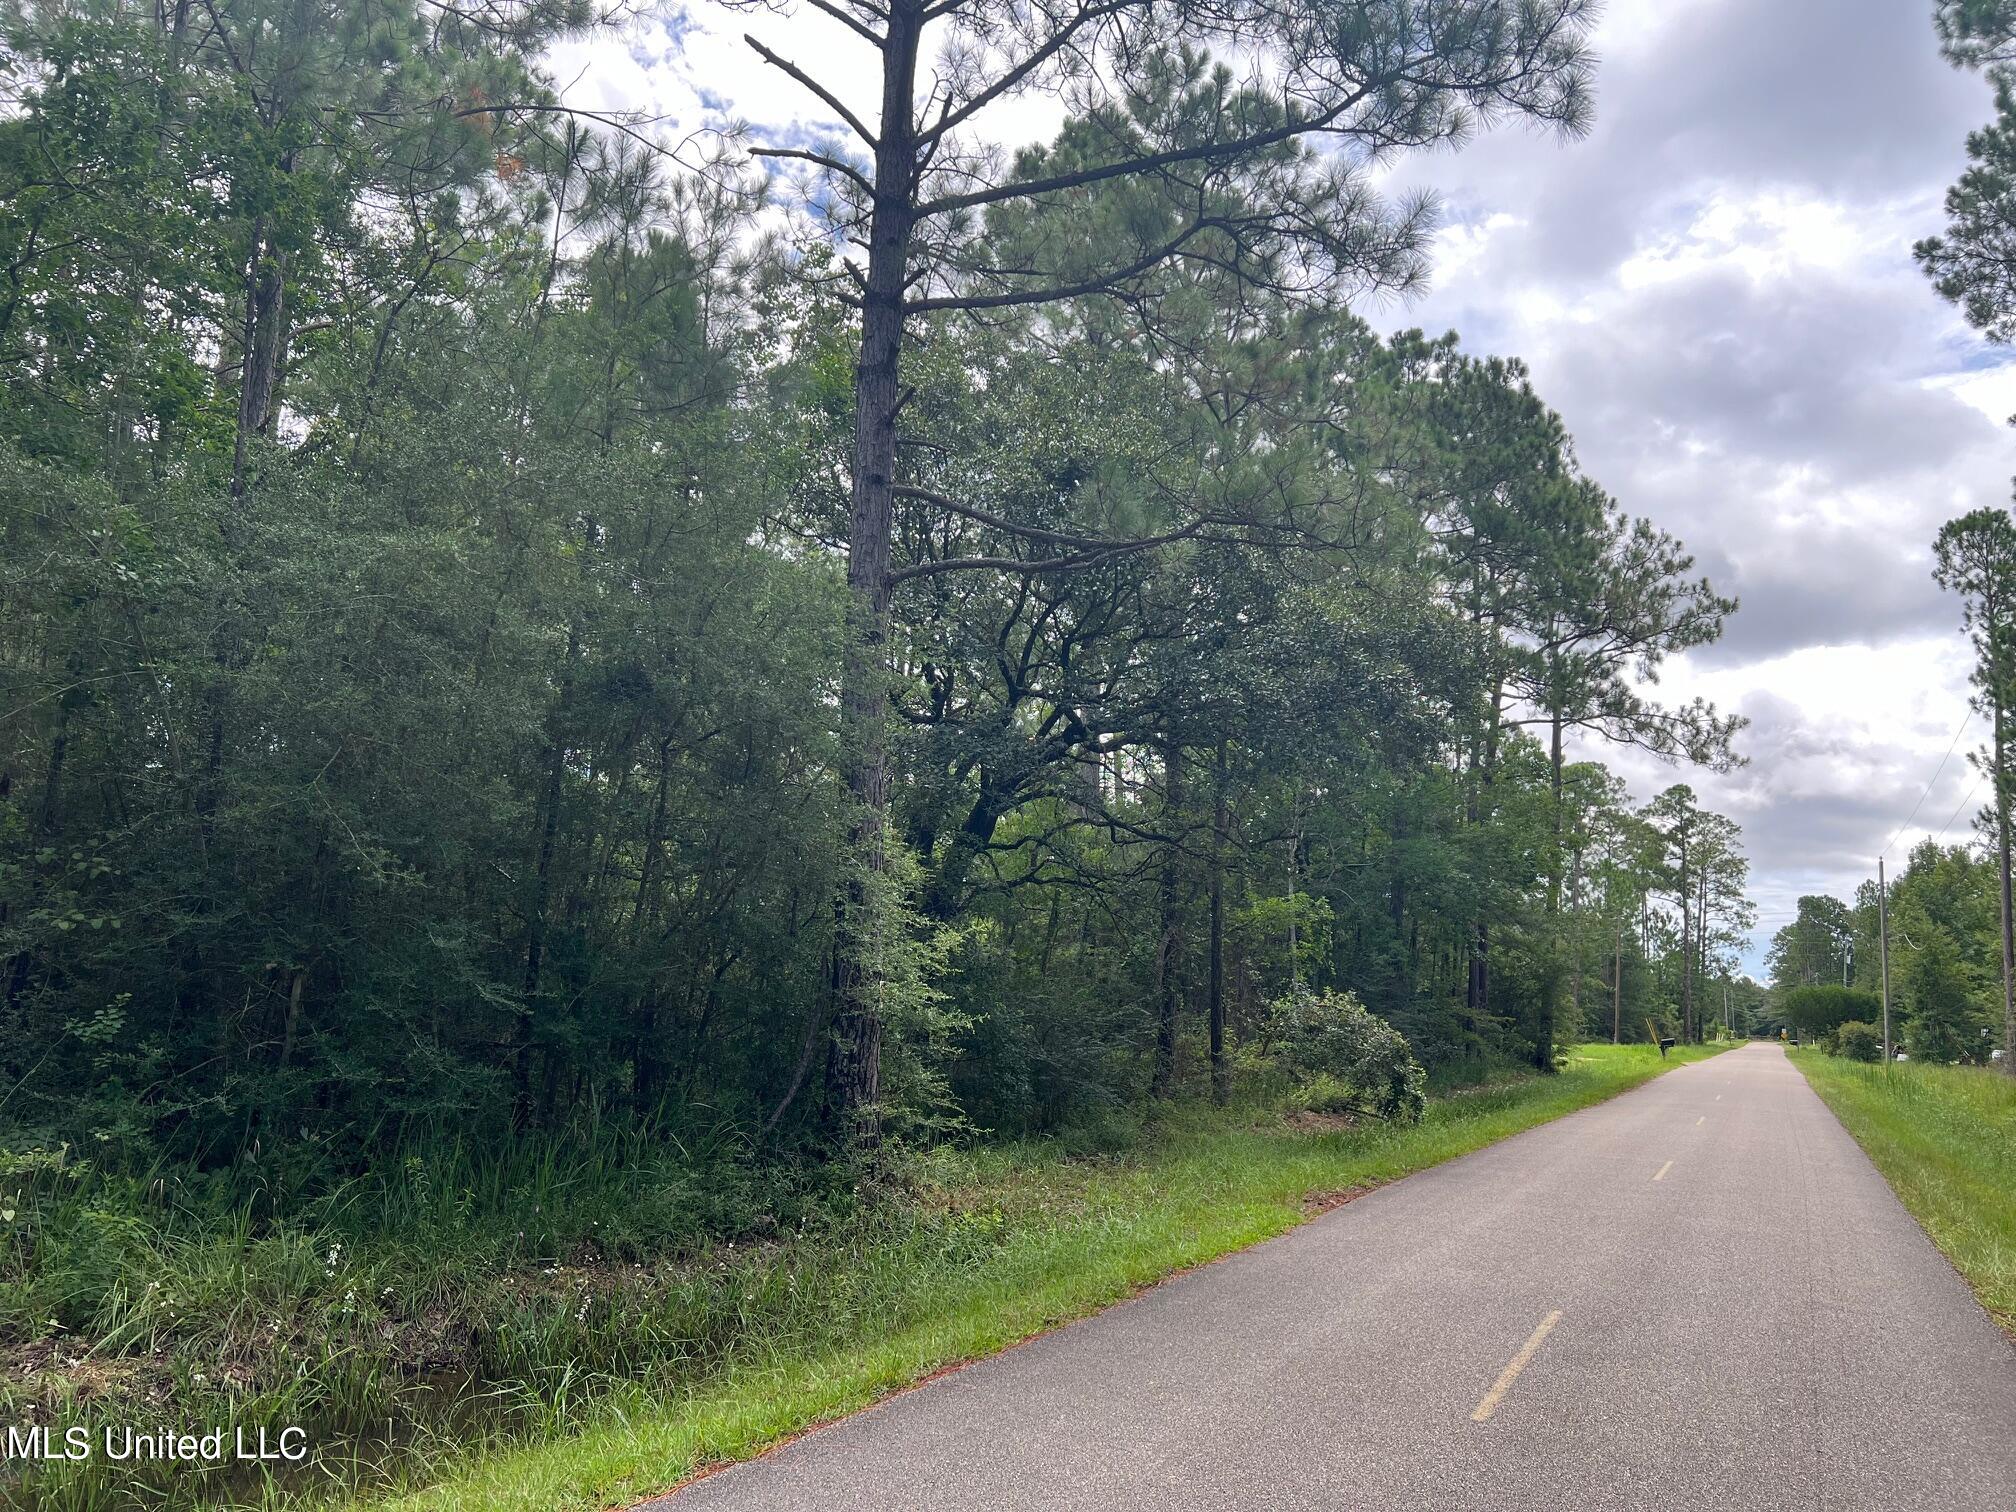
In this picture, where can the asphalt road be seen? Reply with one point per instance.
(1742, 1315)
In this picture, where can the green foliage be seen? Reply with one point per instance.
(1969, 264)
(910, 958)
(1815, 1012)
(1857, 1041)
(1349, 1059)
(1976, 33)
(1815, 949)
(1941, 1022)
(1265, 926)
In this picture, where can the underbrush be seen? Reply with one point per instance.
(450, 1291)
(636, 1307)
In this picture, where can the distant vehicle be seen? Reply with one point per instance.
(1902, 1056)
(1994, 1055)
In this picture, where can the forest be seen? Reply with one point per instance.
(426, 577)
(521, 636)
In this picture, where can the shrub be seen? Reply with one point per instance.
(1814, 1012)
(1358, 1061)
(1323, 1093)
(1858, 1041)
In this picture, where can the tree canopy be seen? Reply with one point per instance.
(496, 634)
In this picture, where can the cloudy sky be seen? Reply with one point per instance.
(1715, 289)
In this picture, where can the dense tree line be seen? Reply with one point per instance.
(1945, 959)
(492, 636)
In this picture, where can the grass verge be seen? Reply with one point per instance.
(1944, 1137)
(1050, 1240)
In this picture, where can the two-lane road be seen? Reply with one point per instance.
(1698, 1295)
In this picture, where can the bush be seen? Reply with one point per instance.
(1815, 1012)
(1353, 1059)
(1858, 1041)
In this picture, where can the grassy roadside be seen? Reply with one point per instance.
(1063, 1239)
(1944, 1137)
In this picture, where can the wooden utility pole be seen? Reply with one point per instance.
(2001, 776)
(1701, 943)
(1294, 845)
(1221, 1083)
(1686, 949)
(1617, 988)
(1883, 950)
(1169, 956)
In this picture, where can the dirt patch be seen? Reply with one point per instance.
(50, 1372)
(1318, 1203)
(1306, 1122)
(30, 1359)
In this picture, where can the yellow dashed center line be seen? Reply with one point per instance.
(1701, 1120)
(1662, 1171)
(1511, 1372)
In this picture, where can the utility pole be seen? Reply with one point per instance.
(1701, 943)
(2000, 772)
(1294, 845)
(1883, 946)
(1686, 899)
(1220, 1073)
(1617, 987)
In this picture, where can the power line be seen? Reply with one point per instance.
(1979, 777)
(1951, 747)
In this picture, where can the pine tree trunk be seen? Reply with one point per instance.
(264, 337)
(1577, 952)
(854, 1059)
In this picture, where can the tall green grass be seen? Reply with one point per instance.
(1944, 1137)
(451, 1294)
(1067, 1237)
(548, 1326)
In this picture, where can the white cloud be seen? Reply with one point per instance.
(1765, 236)
(1717, 291)
(1991, 390)
(1461, 244)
